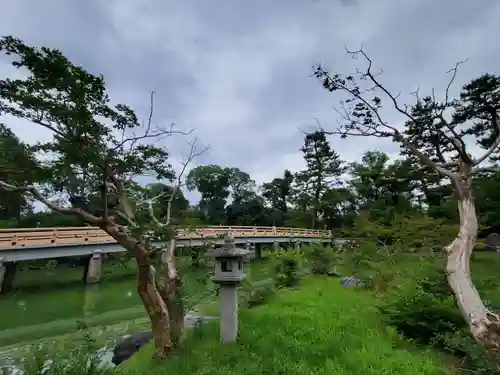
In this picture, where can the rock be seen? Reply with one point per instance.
(493, 242)
(131, 344)
(333, 274)
(437, 249)
(353, 282)
(192, 320)
(128, 347)
(412, 250)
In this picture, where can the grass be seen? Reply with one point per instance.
(398, 285)
(319, 328)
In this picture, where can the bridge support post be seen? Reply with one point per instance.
(94, 268)
(248, 246)
(258, 251)
(276, 246)
(7, 275)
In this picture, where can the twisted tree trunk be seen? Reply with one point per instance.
(483, 323)
(169, 285)
(171, 293)
(156, 309)
(147, 290)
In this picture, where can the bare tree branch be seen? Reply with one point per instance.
(149, 131)
(123, 201)
(456, 141)
(33, 191)
(130, 222)
(193, 153)
(417, 170)
(40, 122)
(369, 74)
(380, 128)
(454, 72)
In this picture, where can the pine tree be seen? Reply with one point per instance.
(324, 169)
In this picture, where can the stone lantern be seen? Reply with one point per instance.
(229, 275)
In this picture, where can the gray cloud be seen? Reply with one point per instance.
(239, 72)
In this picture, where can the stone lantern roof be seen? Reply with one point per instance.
(228, 250)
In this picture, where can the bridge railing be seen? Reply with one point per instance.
(39, 237)
(247, 231)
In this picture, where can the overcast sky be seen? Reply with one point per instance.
(240, 71)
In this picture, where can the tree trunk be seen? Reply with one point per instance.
(147, 290)
(172, 296)
(156, 309)
(169, 285)
(483, 323)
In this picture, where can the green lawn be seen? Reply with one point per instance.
(319, 328)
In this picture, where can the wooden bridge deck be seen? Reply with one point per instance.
(16, 238)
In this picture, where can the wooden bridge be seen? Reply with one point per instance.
(17, 238)
(21, 244)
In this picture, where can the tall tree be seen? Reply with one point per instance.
(278, 194)
(380, 188)
(324, 169)
(434, 134)
(487, 188)
(94, 151)
(213, 183)
(166, 201)
(240, 182)
(17, 165)
(248, 209)
(216, 185)
(338, 208)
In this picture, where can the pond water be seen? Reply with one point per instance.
(54, 311)
(33, 315)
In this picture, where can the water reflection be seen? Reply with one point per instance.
(90, 296)
(30, 316)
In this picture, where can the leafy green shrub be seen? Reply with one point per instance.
(320, 258)
(366, 263)
(287, 268)
(259, 293)
(421, 307)
(472, 356)
(405, 231)
(420, 315)
(420, 304)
